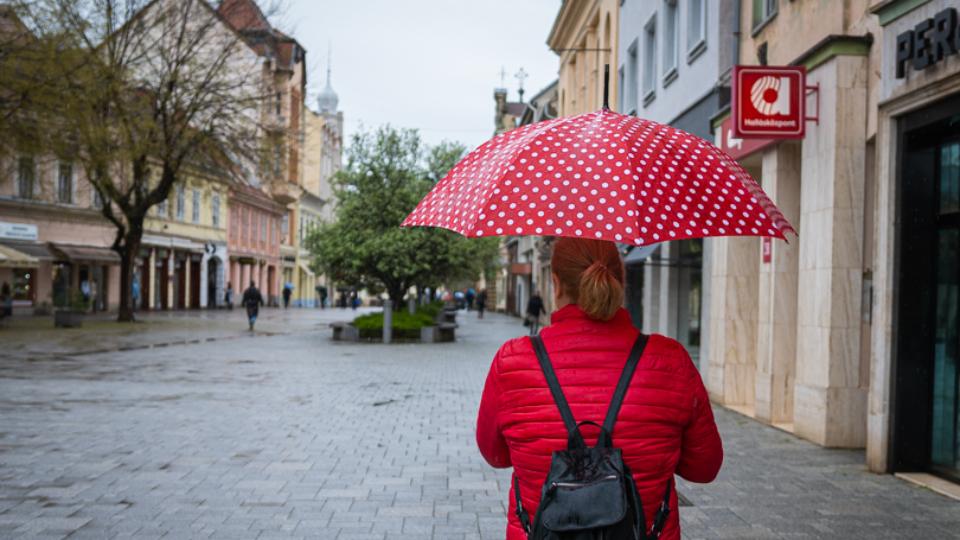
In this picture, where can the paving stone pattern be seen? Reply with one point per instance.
(292, 436)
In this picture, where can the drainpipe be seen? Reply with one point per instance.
(737, 6)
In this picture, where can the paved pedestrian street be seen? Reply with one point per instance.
(284, 434)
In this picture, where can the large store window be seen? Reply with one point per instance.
(927, 408)
(23, 284)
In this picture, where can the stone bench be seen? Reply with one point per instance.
(446, 332)
(345, 332)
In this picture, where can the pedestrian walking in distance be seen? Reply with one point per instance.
(228, 296)
(252, 300)
(534, 310)
(592, 366)
(481, 302)
(287, 291)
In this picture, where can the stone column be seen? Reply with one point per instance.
(777, 314)
(830, 399)
(144, 287)
(244, 277)
(731, 358)
(651, 293)
(667, 293)
(255, 273)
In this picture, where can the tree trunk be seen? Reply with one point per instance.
(128, 256)
(396, 296)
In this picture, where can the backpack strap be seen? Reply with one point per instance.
(521, 513)
(606, 434)
(575, 439)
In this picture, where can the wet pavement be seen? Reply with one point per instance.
(189, 426)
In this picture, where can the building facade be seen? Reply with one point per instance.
(675, 59)
(848, 335)
(584, 35)
(184, 256)
(912, 340)
(284, 77)
(253, 242)
(54, 242)
(323, 158)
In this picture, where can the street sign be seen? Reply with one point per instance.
(18, 231)
(768, 102)
(736, 147)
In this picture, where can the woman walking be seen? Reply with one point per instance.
(664, 426)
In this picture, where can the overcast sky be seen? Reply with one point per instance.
(425, 64)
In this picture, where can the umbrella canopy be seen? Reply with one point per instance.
(600, 175)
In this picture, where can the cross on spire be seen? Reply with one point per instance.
(503, 77)
(521, 75)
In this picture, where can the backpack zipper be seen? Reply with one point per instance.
(607, 478)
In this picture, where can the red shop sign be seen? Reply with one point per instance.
(769, 102)
(767, 249)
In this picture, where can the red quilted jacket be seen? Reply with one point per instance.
(665, 426)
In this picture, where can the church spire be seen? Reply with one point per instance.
(327, 100)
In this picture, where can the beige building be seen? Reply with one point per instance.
(821, 336)
(584, 34)
(54, 242)
(322, 158)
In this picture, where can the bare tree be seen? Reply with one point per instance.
(139, 93)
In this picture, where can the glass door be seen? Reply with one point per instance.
(945, 428)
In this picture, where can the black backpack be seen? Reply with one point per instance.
(589, 493)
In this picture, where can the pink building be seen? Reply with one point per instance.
(253, 241)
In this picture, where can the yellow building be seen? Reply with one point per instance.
(584, 34)
(183, 260)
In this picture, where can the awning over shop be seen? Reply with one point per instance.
(11, 258)
(87, 253)
(23, 254)
(306, 269)
(640, 254)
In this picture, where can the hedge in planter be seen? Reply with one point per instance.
(405, 326)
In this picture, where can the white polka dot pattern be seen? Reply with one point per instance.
(600, 175)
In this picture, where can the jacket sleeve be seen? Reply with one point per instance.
(490, 439)
(701, 451)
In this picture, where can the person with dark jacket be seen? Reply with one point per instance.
(6, 300)
(534, 310)
(252, 300)
(665, 425)
(481, 302)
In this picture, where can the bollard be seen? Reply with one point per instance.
(387, 321)
(411, 305)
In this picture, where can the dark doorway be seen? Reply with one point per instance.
(213, 270)
(926, 391)
(194, 263)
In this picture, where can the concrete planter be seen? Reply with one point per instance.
(428, 334)
(63, 318)
(443, 332)
(345, 332)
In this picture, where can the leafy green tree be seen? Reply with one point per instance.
(387, 173)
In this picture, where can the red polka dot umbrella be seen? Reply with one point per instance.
(600, 175)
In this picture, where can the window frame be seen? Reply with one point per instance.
(649, 53)
(22, 180)
(195, 207)
(181, 194)
(696, 49)
(768, 11)
(671, 44)
(215, 209)
(72, 183)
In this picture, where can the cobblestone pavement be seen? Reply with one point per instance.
(290, 436)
